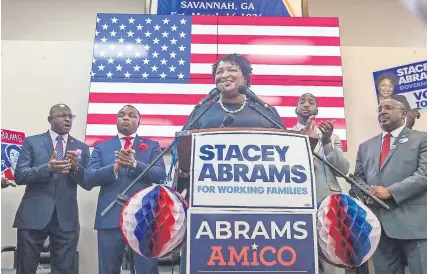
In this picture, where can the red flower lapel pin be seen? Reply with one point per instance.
(143, 146)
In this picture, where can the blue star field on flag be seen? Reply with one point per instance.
(142, 49)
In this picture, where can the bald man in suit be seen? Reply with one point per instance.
(393, 167)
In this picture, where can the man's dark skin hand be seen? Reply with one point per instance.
(125, 158)
(310, 130)
(72, 157)
(5, 183)
(411, 116)
(54, 165)
(379, 192)
(327, 129)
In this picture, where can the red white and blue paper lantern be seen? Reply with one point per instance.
(154, 221)
(348, 231)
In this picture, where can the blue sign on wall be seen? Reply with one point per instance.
(406, 84)
(248, 242)
(228, 7)
(11, 143)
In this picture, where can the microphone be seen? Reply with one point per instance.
(228, 120)
(244, 90)
(218, 89)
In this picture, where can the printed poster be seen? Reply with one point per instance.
(406, 84)
(11, 143)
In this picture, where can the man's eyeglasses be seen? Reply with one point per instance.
(64, 116)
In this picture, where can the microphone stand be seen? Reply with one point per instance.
(364, 268)
(122, 198)
(336, 170)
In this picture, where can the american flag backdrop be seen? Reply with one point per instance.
(162, 65)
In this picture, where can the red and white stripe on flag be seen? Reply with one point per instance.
(289, 56)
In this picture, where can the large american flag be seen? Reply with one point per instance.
(162, 65)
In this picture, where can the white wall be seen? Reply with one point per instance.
(46, 59)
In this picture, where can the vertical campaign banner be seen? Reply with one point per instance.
(406, 84)
(11, 144)
(287, 8)
(251, 169)
(244, 243)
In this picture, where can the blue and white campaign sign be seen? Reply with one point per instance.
(288, 8)
(252, 169)
(406, 84)
(11, 144)
(247, 242)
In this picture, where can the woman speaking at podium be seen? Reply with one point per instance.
(230, 72)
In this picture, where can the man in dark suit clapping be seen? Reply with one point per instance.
(50, 166)
(113, 166)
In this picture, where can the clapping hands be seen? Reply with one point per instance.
(125, 158)
(327, 128)
(310, 128)
(60, 166)
(72, 157)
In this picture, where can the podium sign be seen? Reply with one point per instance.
(242, 242)
(251, 169)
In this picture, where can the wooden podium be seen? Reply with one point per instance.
(251, 184)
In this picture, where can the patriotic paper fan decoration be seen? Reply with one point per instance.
(154, 221)
(348, 231)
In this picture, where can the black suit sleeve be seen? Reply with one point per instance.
(25, 173)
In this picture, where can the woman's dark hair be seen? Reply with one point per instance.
(9, 149)
(238, 60)
(388, 76)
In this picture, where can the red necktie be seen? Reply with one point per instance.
(385, 148)
(128, 143)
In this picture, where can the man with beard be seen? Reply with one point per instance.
(113, 165)
(393, 167)
(329, 146)
(50, 165)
